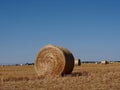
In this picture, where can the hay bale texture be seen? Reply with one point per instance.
(54, 60)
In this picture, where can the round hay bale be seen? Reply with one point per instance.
(54, 60)
(77, 62)
(104, 62)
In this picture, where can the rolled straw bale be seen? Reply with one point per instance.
(104, 62)
(54, 60)
(77, 62)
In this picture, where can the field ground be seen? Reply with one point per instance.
(84, 77)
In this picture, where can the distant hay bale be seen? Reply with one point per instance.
(77, 62)
(96, 62)
(54, 60)
(104, 62)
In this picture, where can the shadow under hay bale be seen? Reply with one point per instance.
(77, 74)
(53, 60)
(74, 74)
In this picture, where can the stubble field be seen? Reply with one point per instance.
(84, 77)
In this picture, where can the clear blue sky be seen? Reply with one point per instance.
(90, 29)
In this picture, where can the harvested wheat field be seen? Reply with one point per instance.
(84, 77)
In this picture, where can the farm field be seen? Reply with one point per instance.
(84, 77)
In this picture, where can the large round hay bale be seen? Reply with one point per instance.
(54, 60)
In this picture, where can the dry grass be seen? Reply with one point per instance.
(84, 77)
